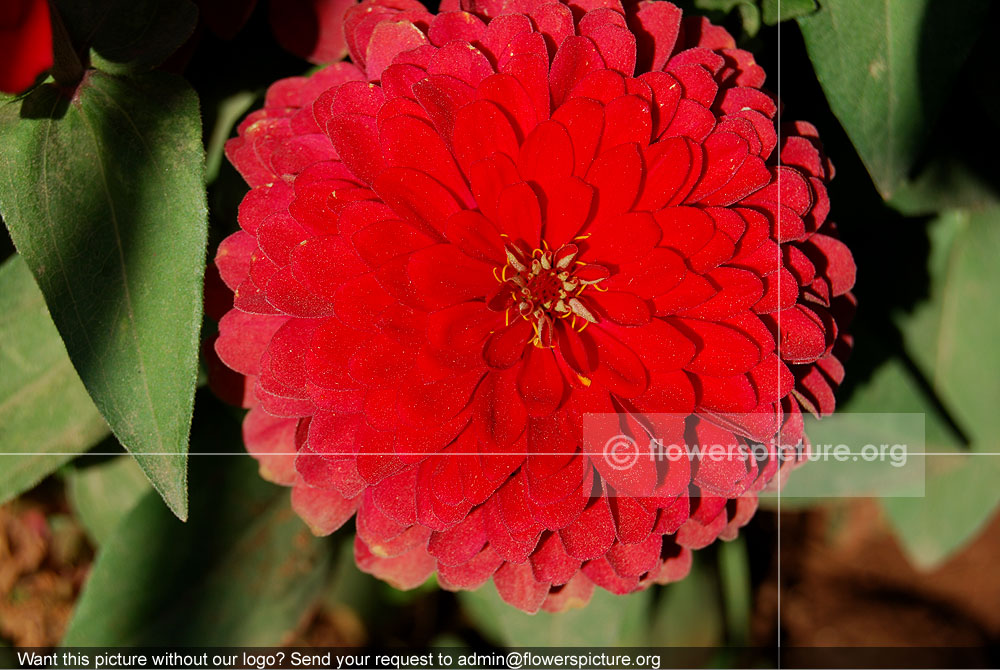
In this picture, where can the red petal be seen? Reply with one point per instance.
(519, 214)
(627, 119)
(623, 308)
(551, 563)
(546, 154)
(616, 175)
(507, 346)
(592, 534)
(411, 143)
(634, 560)
(460, 543)
(576, 58)
(272, 442)
(583, 118)
(457, 334)
(516, 585)
(243, 339)
(406, 571)
(323, 511)
(387, 40)
(540, 382)
(233, 258)
(481, 129)
(722, 350)
(656, 33)
(619, 368)
(416, 197)
(445, 276)
(803, 338)
(322, 264)
(470, 575)
(622, 239)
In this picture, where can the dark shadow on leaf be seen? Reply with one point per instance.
(47, 101)
(891, 250)
(958, 165)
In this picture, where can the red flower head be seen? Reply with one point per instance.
(500, 223)
(25, 43)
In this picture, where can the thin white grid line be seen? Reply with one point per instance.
(778, 343)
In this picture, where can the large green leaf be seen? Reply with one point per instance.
(775, 11)
(945, 371)
(734, 581)
(105, 201)
(103, 493)
(241, 572)
(607, 620)
(886, 68)
(952, 338)
(46, 415)
(877, 453)
(689, 613)
(962, 496)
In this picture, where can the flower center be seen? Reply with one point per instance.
(541, 285)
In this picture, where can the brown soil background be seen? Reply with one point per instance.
(844, 581)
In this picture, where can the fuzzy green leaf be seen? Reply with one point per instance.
(103, 493)
(886, 68)
(952, 340)
(241, 572)
(46, 416)
(104, 199)
(607, 620)
(775, 11)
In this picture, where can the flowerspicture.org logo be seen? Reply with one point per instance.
(493, 221)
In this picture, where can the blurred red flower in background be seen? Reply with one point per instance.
(495, 222)
(25, 43)
(310, 29)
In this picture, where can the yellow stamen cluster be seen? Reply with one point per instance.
(545, 285)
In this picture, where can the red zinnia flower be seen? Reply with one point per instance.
(497, 221)
(26, 39)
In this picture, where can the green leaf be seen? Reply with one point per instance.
(952, 339)
(893, 388)
(887, 68)
(721, 6)
(128, 35)
(952, 336)
(228, 112)
(607, 620)
(750, 18)
(847, 458)
(46, 416)
(961, 497)
(351, 590)
(241, 572)
(775, 11)
(734, 579)
(101, 494)
(689, 612)
(943, 344)
(105, 201)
